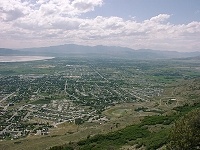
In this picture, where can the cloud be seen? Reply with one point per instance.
(160, 18)
(12, 15)
(44, 22)
(65, 23)
(86, 5)
(13, 9)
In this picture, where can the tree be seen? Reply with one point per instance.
(78, 121)
(185, 134)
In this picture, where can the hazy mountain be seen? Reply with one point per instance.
(79, 49)
(109, 51)
(4, 52)
(98, 51)
(196, 58)
(11, 52)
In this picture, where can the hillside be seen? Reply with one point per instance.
(153, 132)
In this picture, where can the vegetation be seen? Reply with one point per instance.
(154, 140)
(185, 134)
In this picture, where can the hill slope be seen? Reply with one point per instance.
(152, 132)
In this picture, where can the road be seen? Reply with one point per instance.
(5, 98)
(98, 74)
(68, 93)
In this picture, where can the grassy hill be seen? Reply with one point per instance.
(138, 135)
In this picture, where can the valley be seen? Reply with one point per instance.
(70, 98)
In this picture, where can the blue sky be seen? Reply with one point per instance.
(182, 11)
(152, 24)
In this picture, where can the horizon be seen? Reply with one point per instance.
(142, 49)
(138, 24)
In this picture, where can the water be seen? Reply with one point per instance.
(22, 58)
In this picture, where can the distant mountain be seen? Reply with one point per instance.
(98, 51)
(11, 52)
(109, 51)
(5, 52)
(196, 58)
(80, 49)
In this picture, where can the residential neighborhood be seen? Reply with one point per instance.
(59, 90)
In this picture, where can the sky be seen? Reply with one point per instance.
(172, 25)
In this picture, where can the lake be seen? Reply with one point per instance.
(22, 58)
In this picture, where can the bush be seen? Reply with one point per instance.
(185, 134)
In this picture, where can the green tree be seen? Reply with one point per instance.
(185, 135)
(78, 121)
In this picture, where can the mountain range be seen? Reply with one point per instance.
(97, 51)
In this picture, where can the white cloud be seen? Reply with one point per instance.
(31, 22)
(86, 5)
(13, 9)
(160, 18)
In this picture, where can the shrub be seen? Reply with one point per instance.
(185, 134)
